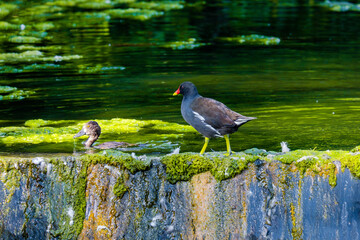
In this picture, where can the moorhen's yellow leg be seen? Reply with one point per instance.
(205, 145)
(228, 148)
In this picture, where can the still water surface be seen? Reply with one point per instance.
(304, 91)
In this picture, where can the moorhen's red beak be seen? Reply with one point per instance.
(177, 92)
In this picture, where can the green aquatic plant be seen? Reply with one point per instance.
(6, 9)
(62, 3)
(134, 14)
(338, 6)
(253, 39)
(44, 26)
(24, 39)
(7, 89)
(26, 56)
(159, 6)
(39, 131)
(191, 43)
(12, 93)
(95, 5)
(8, 26)
(99, 69)
(59, 58)
(123, 1)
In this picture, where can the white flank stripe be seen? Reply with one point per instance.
(197, 115)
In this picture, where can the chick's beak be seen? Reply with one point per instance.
(79, 134)
(177, 92)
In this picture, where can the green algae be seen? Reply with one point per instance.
(6, 9)
(8, 26)
(99, 69)
(94, 5)
(134, 14)
(38, 131)
(35, 123)
(337, 6)
(44, 26)
(191, 43)
(123, 1)
(62, 3)
(7, 89)
(59, 58)
(12, 93)
(159, 6)
(253, 39)
(24, 39)
(26, 56)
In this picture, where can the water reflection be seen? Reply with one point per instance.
(303, 91)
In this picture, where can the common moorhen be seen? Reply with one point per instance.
(93, 130)
(208, 116)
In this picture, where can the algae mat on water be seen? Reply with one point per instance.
(44, 135)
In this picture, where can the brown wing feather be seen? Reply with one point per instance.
(214, 112)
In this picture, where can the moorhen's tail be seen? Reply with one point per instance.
(242, 120)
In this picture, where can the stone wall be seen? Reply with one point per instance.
(64, 198)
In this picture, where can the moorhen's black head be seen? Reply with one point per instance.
(186, 89)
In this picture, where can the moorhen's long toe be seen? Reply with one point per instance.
(209, 117)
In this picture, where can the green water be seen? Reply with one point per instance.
(93, 65)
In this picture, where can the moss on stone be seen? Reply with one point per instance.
(181, 167)
(352, 162)
(115, 158)
(120, 188)
(228, 167)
